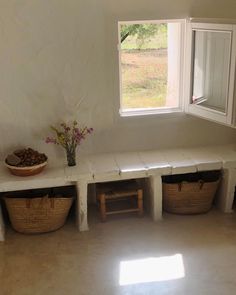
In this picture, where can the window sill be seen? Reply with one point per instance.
(146, 112)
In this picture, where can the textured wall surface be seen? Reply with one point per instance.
(59, 61)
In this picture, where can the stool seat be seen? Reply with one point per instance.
(119, 191)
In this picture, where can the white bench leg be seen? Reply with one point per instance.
(156, 197)
(225, 196)
(81, 206)
(2, 226)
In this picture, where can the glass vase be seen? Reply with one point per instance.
(71, 157)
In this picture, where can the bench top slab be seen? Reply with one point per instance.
(226, 154)
(130, 163)
(155, 162)
(126, 165)
(52, 175)
(204, 159)
(103, 166)
(179, 162)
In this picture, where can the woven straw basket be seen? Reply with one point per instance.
(38, 215)
(189, 197)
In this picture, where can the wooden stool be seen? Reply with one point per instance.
(119, 191)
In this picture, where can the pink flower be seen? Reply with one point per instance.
(69, 137)
(50, 140)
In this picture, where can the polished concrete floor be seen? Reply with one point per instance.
(186, 255)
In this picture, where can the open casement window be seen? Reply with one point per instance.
(178, 65)
(150, 61)
(210, 71)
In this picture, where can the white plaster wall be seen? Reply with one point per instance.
(58, 60)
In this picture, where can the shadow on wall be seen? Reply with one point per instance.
(171, 131)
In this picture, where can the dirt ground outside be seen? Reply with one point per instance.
(144, 78)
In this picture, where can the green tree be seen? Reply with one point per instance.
(142, 32)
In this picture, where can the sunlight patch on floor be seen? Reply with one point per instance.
(152, 269)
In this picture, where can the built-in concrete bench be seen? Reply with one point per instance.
(117, 166)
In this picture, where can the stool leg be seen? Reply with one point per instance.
(140, 202)
(103, 207)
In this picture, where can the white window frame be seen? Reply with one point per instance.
(162, 110)
(198, 110)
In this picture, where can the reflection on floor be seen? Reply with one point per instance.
(126, 255)
(151, 269)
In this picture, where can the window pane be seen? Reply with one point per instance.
(211, 69)
(150, 55)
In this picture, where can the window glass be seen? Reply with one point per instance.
(150, 65)
(211, 63)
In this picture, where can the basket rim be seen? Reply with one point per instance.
(26, 167)
(19, 198)
(190, 182)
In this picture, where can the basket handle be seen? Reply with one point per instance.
(43, 199)
(179, 186)
(201, 183)
(52, 202)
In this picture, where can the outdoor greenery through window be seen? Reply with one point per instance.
(149, 66)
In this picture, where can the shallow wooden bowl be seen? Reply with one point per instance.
(26, 171)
